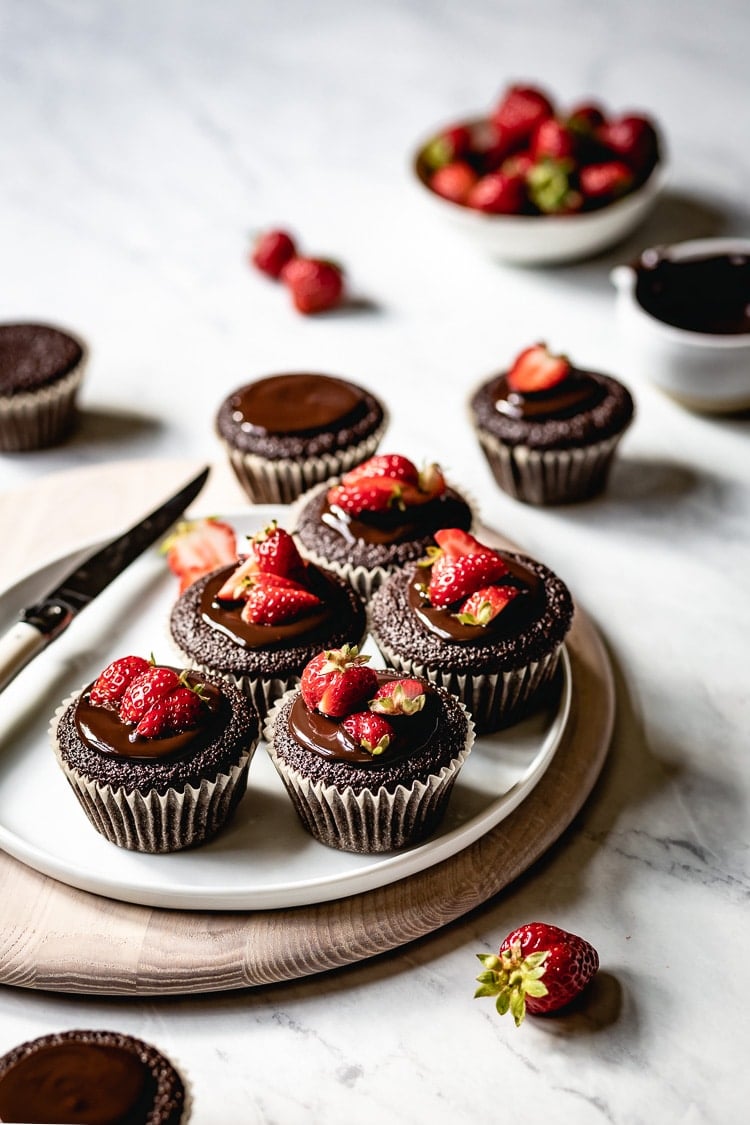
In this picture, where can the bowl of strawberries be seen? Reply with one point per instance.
(534, 183)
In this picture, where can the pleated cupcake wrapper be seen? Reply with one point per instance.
(156, 822)
(35, 419)
(374, 820)
(493, 699)
(555, 476)
(281, 481)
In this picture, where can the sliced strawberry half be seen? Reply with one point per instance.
(327, 667)
(536, 369)
(430, 485)
(485, 604)
(277, 602)
(459, 578)
(197, 547)
(144, 691)
(368, 494)
(399, 697)
(392, 465)
(114, 680)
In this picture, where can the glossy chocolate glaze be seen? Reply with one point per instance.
(300, 404)
(383, 529)
(328, 739)
(575, 393)
(33, 355)
(517, 615)
(709, 295)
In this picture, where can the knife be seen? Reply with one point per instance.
(43, 622)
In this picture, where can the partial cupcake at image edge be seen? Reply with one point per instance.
(369, 758)
(84, 1075)
(258, 620)
(485, 624)
(287, 432)
(157, 756)
(41, 369)
(548, 429)
(376, 518)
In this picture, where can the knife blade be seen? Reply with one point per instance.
(40, 624)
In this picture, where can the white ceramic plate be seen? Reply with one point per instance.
(264, 859)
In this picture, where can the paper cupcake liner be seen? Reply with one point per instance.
(151, 821)
(554, 476)
(495, 700)
(372, 820)
(262, 691)
(267, 481)
(34, 419)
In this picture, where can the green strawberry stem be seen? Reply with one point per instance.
(511, 978)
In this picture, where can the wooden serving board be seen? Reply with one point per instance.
(55, 937)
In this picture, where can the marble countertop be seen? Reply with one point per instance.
(147, 142)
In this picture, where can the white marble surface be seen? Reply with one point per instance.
(142, 142)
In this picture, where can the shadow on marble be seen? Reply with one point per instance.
(113, 427)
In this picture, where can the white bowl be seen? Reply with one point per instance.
(704, 371)
(532, 240)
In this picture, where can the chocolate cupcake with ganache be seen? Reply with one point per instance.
(260, 621)
(377, 518)
(368, 758)
(285, 433)
(85, 1076)
(548, 429)
(158, 757)
(41, 369)
(487, 625)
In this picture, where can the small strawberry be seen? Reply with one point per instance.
(113, 682)
(270, 603)
(197, 547)
(536, 369)
(519, 112)
(144, 690)
(430, 485)
(605, 181)
(454, 181)
(315, 285)
(272, 251)
(552, 138)
(453, 542)
(585, 118)
(454, 143)
(237, 584)
(632, 138)
(460, 577)
(392, 465)
(345, 667)
(539, 968)
(368, 494)
(399, 697)
(372, 732)
(178, 711)
(276, 552)
(518, 165)
(550, 187)
(491, 147)
(498, 194)
(485, 604)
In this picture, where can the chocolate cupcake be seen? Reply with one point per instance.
(85, 1076)
(157, 758)
(549, 430)
(41, 369)
(377, 518)
(285, 433)
(486, 625)
(370, 766)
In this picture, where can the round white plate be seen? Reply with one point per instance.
(264, 859)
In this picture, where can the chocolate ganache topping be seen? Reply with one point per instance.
(300, 404)
(709, 294)
(395, 525)
(328, 739)
(575, 393)
(444, 623)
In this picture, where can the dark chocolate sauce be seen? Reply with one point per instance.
(709, 295)
(577, 392)
(297, 404)
(392, 525)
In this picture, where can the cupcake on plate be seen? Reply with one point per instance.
(377, 518)
(285, 433)
(487, 625)
(84, 1076)
(157, 756)
(548, 429)
(369, 758)
(259, 621)
(41, 369)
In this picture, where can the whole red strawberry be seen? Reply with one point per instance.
(537, 369)
(114, 681)
(316, 285)
(338, 681)
(519, 111)
(539, 968)
(454, 181)
(498, 194)
(276, 552)
(272, 251)
(372, 732)
(552, 138)
(367, 494)
(605, 181)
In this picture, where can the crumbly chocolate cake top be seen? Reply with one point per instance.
(34, 355)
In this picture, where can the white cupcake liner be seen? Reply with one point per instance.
(151, 821)
(35, 419)
(269, 481)
(495, 700)
(374, 820)
(262, 691)
(554, 476)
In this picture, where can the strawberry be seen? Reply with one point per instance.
(270, 603)
(483, 605)
(458, 578)
(144, 690)
(498, 194)
(276, 552)
(337, 680)
(238, 583)
(315, 285)
(536, 369)
(180, 710)
(519, 112)
(551, 138)
(431, 484)
(584, 118)
(454, 181)
(550, 187)
(632, 138)
(197, 547)
(392, 465)
(605, 181)
(454, 143)
(539, 968)
(454, 542)
(368, 494)
(491, 147)
(113, 682)
(272, 251)
(399, 697)
(372, 732)
(517, 165)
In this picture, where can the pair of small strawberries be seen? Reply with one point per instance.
(384, 482)
(314, 283)
(153, 699)
(338, 683)
(469, 575)
(271, 581)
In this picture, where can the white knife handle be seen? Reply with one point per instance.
(17, 647)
